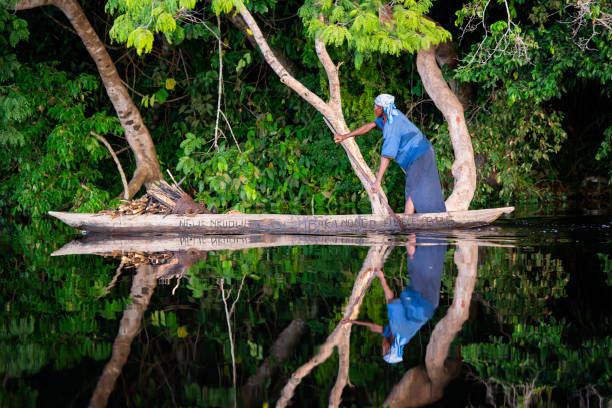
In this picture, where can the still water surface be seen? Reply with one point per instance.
(515, 314)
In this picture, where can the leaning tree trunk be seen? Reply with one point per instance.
(252, 391)
(332, 110)
(464, 168)
(137, 134)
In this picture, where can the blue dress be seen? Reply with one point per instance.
(405, 143)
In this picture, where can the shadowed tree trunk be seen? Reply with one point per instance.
(446, 54)
(252, 391)
(137, 134)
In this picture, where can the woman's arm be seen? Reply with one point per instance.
(384, 163)
(376, 328)
(357, 132)
(383, 282)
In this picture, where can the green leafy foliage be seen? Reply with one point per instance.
(56, 160)
(51, 315)
(137, 22)
(372, 26)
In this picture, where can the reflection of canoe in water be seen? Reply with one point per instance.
(278, 223)
(105, 244)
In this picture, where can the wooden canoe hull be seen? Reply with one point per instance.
(353, 224)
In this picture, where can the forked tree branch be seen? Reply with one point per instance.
(331, 111)
(335, 101)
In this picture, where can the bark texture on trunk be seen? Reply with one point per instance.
(425, 384)
(332, 110)
(464, 168)
(137, 134)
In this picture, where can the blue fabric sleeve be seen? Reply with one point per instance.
(391, 146)
(380, 122)
(386, 332)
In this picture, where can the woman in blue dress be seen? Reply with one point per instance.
(405, 143)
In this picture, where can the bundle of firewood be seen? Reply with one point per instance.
(173, 196)
(161, 198)
(143, 205)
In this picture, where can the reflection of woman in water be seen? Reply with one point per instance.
(415, 305)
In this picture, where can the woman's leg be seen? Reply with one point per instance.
(409, 206)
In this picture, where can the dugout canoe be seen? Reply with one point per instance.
(352, 224)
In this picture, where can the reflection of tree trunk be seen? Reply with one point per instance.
(340, 337)
(424, 385)
(137, 134)
(279, 352)
(464, 168)
(143, 285)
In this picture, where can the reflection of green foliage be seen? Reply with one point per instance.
(23, 397)
(519, 285)
(49, 309)
(606, 266)
(208, 396)
(280, 284)
(541, 356)
(538, 356)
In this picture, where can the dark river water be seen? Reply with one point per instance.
(515, 314)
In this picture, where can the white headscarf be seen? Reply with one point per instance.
(386, 102)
